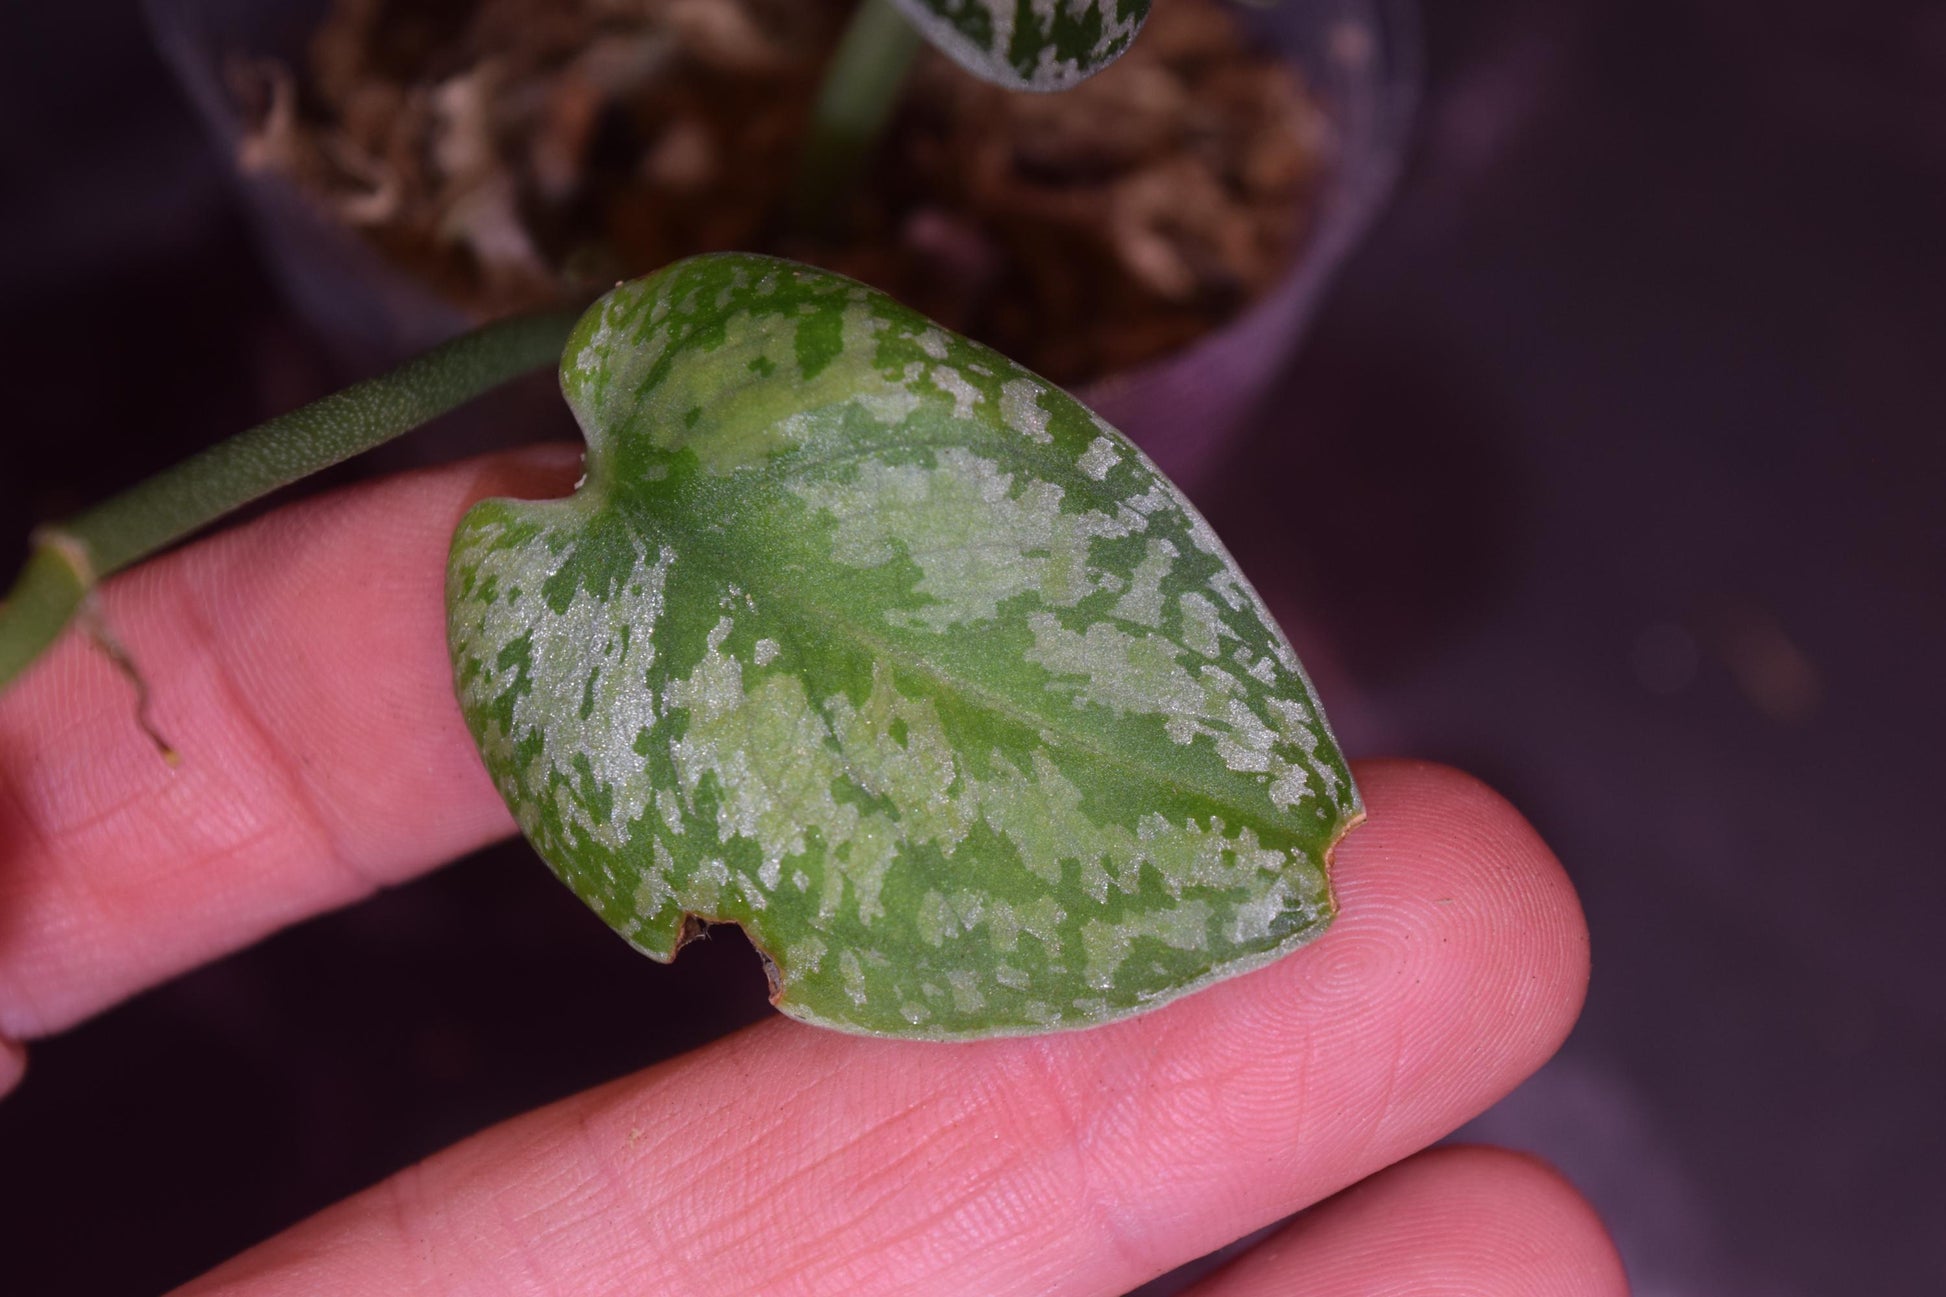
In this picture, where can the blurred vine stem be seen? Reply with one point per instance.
(853, 107)
(68, 559)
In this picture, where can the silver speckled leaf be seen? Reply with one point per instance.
(1029, 44)
(866, 639)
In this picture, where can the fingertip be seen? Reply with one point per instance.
(1459, 1219)
(1408, 799)
(1521, 1196)
(1438, 837)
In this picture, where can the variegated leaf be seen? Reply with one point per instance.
(1029, 44)
(865, 639)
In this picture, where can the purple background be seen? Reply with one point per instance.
(1619, 449)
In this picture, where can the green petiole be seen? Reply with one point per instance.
(71, 557)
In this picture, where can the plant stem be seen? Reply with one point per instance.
(853, 106)
(68, 559)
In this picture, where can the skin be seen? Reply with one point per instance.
(324, 758)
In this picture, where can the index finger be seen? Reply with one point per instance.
(298, 666)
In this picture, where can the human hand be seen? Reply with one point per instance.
(299, 665)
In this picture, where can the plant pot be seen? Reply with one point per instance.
(1358, 58)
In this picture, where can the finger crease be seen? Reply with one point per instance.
(300, 795)
(1097, 1204)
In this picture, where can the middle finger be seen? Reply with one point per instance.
(793, 1160)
